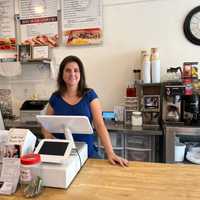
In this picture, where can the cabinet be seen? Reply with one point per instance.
(140, 148)
(132, 146)
(117, 143)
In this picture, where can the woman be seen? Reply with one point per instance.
(74, 98)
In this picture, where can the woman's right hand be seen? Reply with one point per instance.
(114, 159)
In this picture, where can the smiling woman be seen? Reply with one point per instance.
(71, 75)
(73, 97)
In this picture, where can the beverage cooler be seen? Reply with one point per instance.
(181, 144)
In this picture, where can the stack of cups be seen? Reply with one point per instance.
(151, 66)
(155, 65)
(146, 68)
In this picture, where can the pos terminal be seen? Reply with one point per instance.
(60, 170)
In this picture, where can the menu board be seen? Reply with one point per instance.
(7, 25)
(81, 22)
(39, 22)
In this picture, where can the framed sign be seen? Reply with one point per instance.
(40, 52)
(151, 103)
(38, 22)
(82, 22)
(24, 53)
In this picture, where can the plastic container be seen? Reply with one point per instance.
(30, 175)
(136, 119)
(179, 152)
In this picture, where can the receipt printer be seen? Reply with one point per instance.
(31, 108)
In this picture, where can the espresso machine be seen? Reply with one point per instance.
(172, 103)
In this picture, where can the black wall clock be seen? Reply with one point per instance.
(191, 26)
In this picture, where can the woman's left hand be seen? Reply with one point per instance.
(114, 159)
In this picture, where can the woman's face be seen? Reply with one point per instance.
(71, 74)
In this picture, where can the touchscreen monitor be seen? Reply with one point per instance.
(54, 150)
(58, 123)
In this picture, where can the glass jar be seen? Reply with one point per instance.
(136, 119)
(30, 175)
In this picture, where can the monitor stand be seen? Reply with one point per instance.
(68, 136)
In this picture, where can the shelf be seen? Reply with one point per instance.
(149, 84)
(27, 81)
(32, 61)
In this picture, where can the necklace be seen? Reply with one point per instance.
(70, 96)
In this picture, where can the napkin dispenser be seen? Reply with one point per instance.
(31, 108)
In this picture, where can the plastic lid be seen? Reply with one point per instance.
(30, 159)
(136, 113)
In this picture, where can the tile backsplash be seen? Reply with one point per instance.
(33, 83)
(6, 103)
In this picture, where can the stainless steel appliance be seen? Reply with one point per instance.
(30, 109)
(151, 104)
(191, 106)
(186, 134)
(172, 103)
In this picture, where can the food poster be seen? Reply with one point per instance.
(7, 25)
(38, 22)
(8, 56)
(81, 22)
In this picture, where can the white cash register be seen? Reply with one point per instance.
(59, 167)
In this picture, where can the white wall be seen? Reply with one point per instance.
(129, 27)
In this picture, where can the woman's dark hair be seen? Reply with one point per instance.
(82, 86)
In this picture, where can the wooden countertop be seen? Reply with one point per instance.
(99, 180)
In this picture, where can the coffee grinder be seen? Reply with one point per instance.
(172, 103)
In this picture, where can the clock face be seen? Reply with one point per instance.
(191, 26)
(195, 25)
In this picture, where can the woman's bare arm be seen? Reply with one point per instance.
(103, 134)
